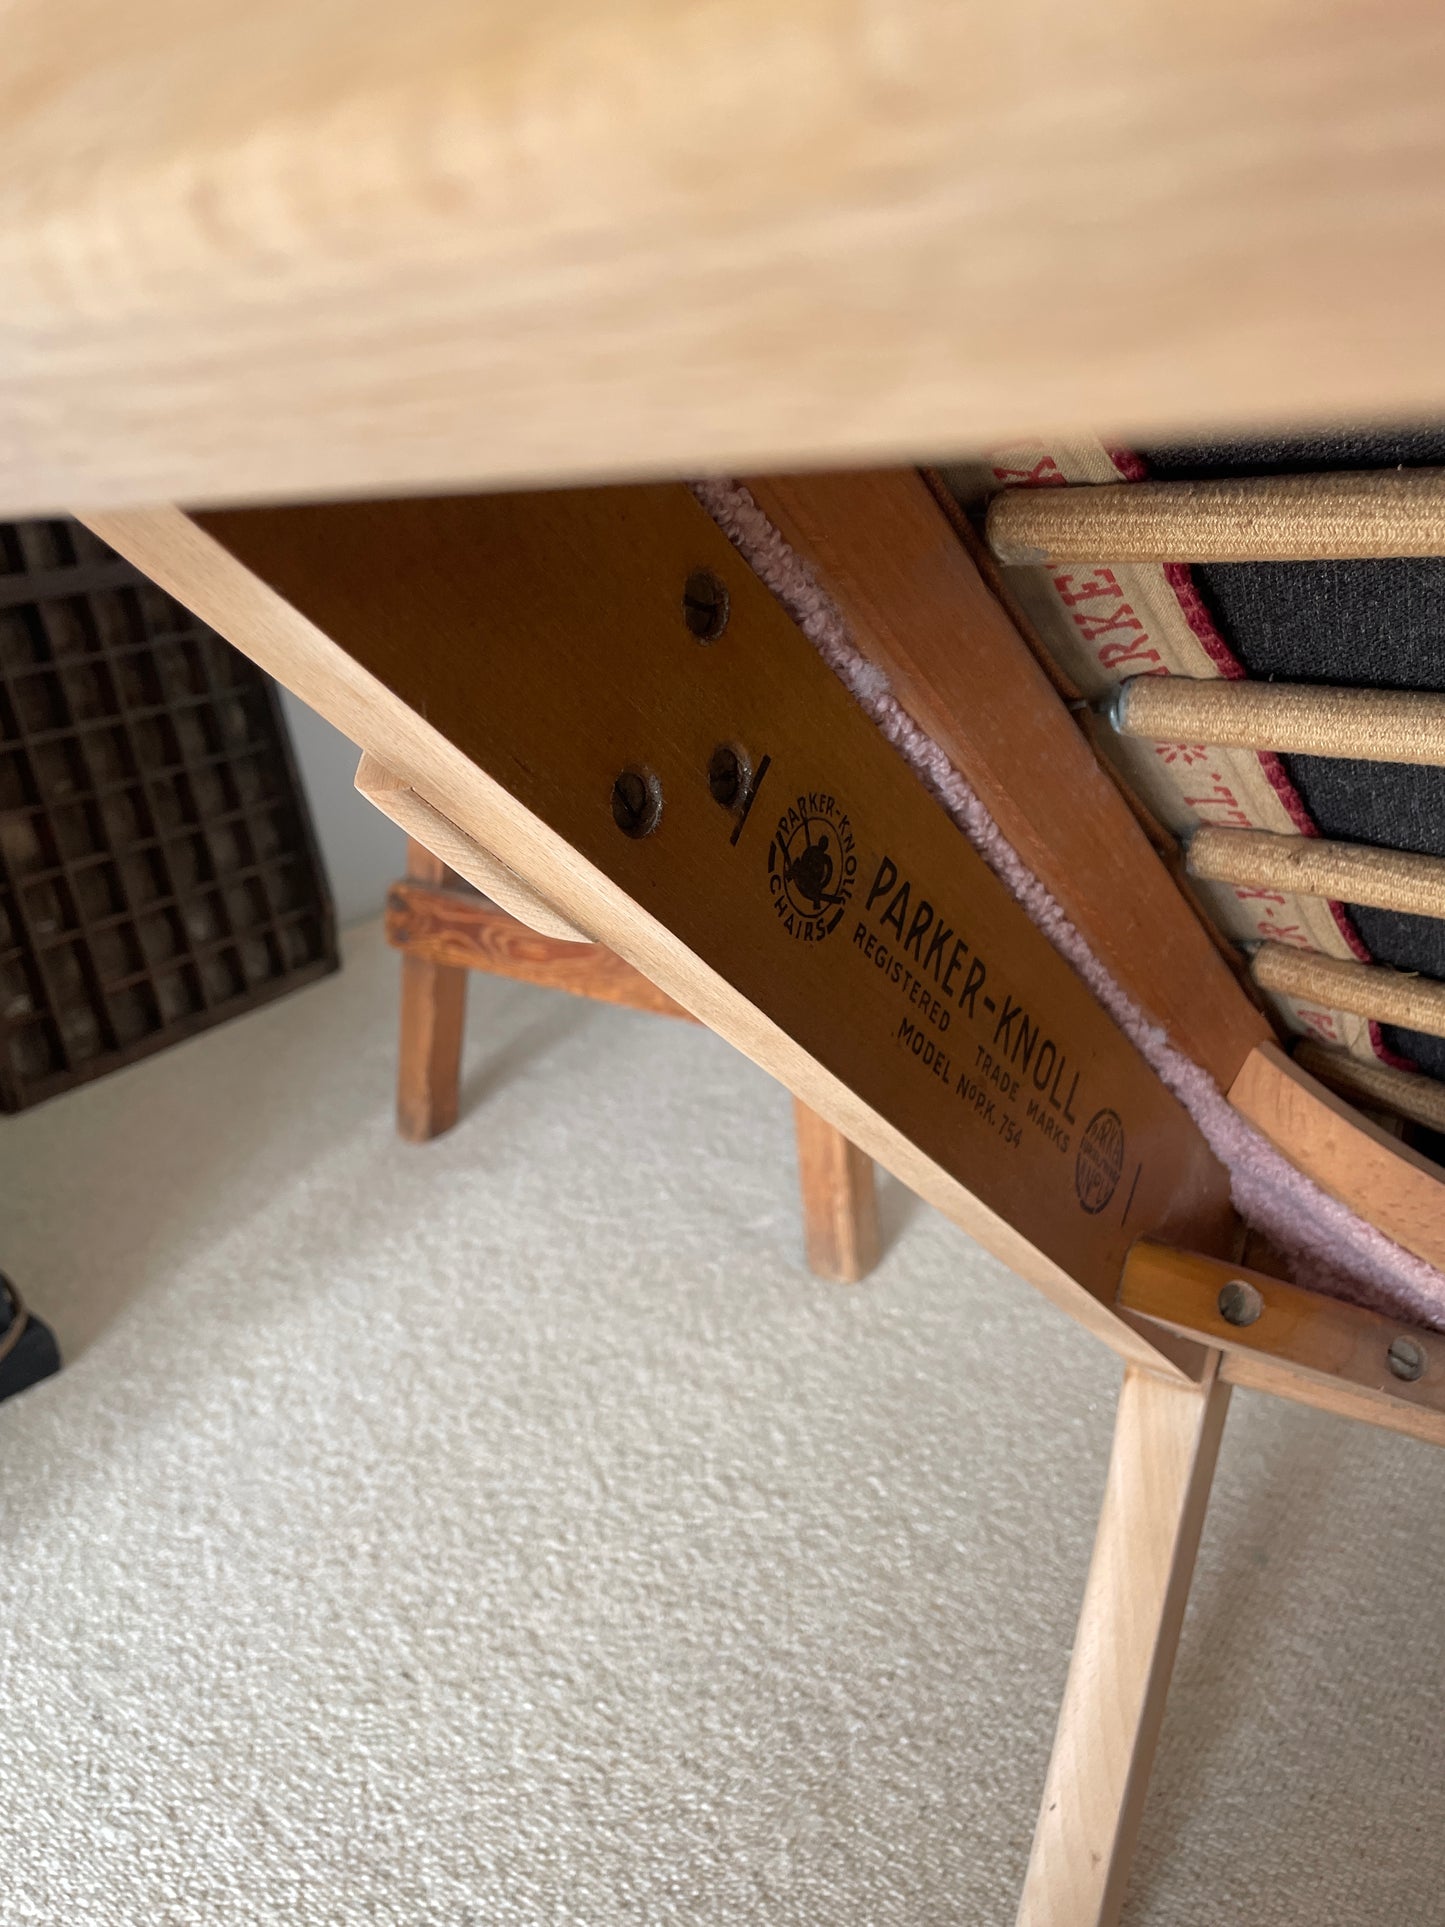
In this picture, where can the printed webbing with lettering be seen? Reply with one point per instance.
(1104, 624)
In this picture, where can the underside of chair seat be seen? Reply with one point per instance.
(1377, 625)
(1340, 1249)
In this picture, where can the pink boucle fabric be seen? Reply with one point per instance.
(1330, 1246)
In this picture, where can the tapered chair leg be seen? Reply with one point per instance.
(1166, 1441)
(433, 1009)
(840, 1200)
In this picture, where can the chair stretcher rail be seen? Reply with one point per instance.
(1242, 1311)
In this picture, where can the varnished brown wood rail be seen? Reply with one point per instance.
(1250, 1312)
(462, 931)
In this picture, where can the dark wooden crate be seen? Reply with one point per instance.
(158, 870)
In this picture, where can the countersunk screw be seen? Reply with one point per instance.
(636, 802)
(729, 776)
(705, 605)
(1406, 1358)
(1239, 1303)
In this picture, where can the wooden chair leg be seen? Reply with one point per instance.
(1166, 1441)
(840, 1200)
(433, 1009)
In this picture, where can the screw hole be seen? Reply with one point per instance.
(729, 776)
(636, 802)
(1239, 1303)
(1406, 1358)
(705, 605)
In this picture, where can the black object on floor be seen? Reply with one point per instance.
(28, 1351)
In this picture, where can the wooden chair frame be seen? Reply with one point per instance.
(623, 239)
(509, 725)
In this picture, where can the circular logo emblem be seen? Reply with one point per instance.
(812, 866)
(1100, 1160)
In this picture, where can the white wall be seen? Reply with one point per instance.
(363, 851)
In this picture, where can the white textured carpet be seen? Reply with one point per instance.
(510, 1531)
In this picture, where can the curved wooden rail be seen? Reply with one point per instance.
(1355, 1161)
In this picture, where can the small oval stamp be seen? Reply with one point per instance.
(1100, 1160)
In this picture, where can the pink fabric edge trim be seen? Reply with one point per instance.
(1342, 1253)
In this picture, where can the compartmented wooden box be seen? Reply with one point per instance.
(158, 870)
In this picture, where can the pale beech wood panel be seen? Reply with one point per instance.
(426, 824)
(1166, 1443)
(1348, 1156)
(436, 550)
(298, 247)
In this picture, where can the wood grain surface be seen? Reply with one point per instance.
(1254, 1372)
(1297, 1331)
(840, 1200)
(1166, 1445)
(918, 608)
(433, 1014)
(292, 248)
(433, 1011)
(557, 656)
(1395, 1188)
(424, 823)
(465, 931)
